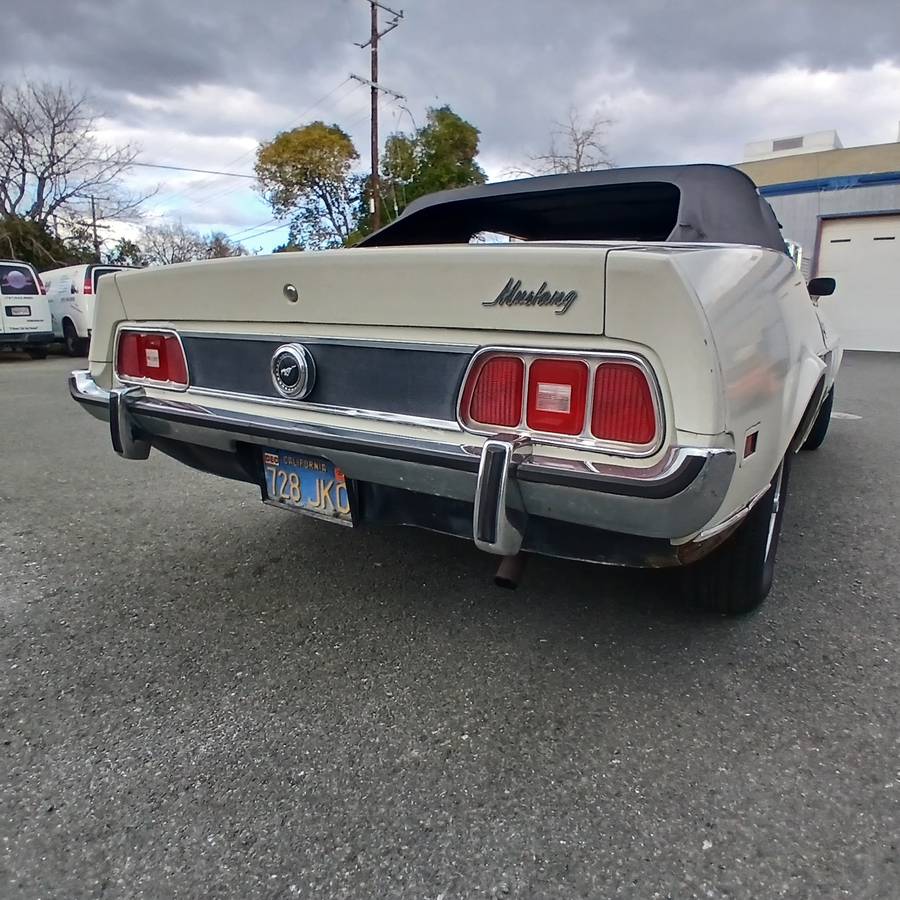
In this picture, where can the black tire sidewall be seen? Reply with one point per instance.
(735, 578)
(820, 427)
(71, 339)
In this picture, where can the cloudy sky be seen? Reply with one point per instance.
(199, 83)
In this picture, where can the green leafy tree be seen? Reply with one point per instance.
(33, 242)
(307, 174)
(436, 157)
(447, 147)
(126, 252)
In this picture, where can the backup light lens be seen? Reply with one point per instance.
(151, 356)
(623, 405)
(497, 395)
(557, 393)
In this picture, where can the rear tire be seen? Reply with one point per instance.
(820, 426)
(737, 576)
(37, 352)
(75, 346)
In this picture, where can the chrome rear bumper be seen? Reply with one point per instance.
(504, 480)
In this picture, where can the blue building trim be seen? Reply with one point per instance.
(836, 183)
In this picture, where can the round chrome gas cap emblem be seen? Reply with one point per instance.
(293, 371)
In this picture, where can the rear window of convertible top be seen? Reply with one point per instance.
(636, 211)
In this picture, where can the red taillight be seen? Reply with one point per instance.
(153, 356)
(623, 405)
(41, 286)
(557, 391)
(557, 398)
(496, 398)
(88, 284)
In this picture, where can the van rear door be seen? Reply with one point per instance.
(23, 306)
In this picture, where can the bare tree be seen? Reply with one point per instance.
(51, 162)
(220, 246)
(576, 145)
(174, 242)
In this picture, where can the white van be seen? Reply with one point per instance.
(24, 311)
(71, 294)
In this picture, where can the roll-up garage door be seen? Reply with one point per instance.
(863, 255)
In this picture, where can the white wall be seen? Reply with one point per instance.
(813, 142)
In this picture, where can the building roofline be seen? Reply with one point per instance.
(869, 159)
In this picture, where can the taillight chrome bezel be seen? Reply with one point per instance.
(584, 439)
(151, 382)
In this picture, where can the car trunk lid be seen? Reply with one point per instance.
(512, 287)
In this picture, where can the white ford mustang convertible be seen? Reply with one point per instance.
(623, 379)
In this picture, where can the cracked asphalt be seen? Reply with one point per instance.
(206, 697)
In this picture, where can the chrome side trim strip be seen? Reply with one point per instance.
(316, 339)
(369, 414)
(662, 479)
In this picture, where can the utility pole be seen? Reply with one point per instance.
(94, 228)
(375, 87)
(373, 149)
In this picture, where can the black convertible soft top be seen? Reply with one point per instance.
(696, 203)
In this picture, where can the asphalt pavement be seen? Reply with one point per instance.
(203, 696)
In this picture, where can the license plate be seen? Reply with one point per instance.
(307, 484)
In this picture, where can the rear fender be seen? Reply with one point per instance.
(811, 385)
(108, 312)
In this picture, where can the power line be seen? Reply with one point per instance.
(251, 228)
(300, 117)
(252, 237)
(148, 165)
(209, 184)
(205, 184)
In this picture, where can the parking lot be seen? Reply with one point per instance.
(203, 696)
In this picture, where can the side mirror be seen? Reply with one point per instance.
(821, 287)
(73, 289)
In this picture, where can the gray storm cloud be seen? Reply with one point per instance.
(683, 81)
